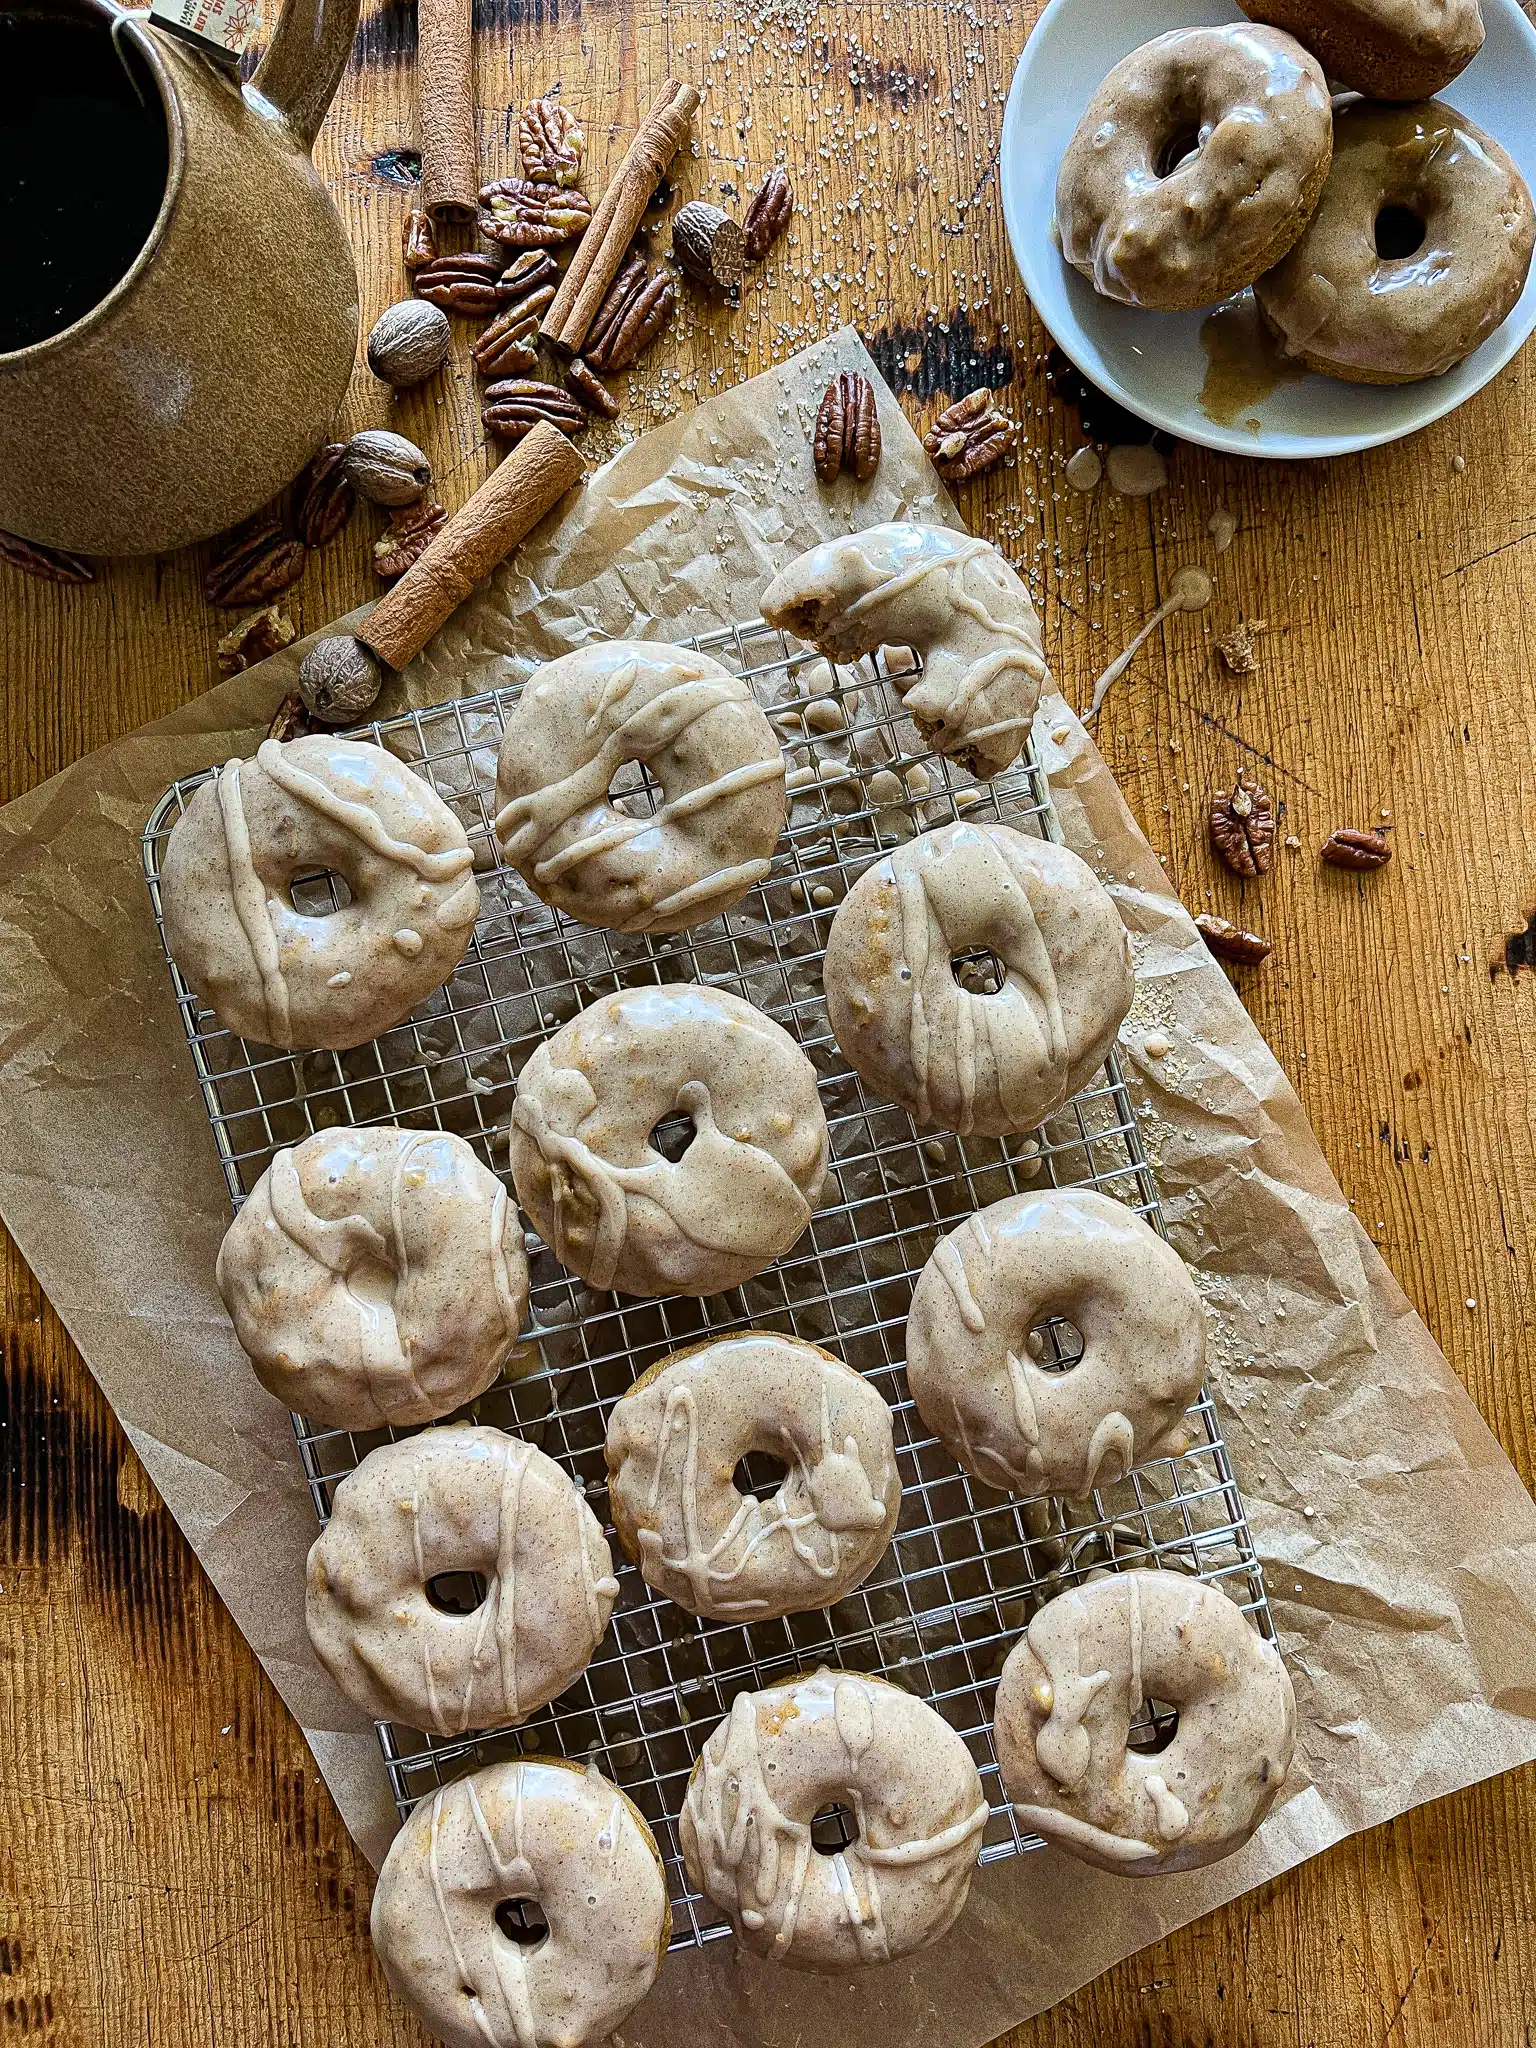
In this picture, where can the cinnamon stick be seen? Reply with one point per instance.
(602, 248)
(445, 82)
(513, 499)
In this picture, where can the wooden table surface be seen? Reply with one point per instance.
(171, 1868)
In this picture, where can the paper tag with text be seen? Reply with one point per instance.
(221, 27)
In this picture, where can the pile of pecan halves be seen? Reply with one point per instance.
(1241, 826)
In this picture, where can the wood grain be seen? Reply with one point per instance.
(170, 1867)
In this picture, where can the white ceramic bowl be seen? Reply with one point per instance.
(1155, 363)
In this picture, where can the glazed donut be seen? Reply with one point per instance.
(1014, 1424)
(1077, 1679)
(952, 599)
(460, 1499)
(704, 737)
(375, 1276)
(1387, 49)
(549, 1832)
(1195, 166)
(276, 974)
(960, 1061)
(673, 1443)
(1418, 252)
(613, 1208)
(835, 1738)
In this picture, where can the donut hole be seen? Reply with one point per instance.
(833, 1829)
(1153, 1726)
(522, 1921)
(1177, 150)
(635, 791)
(978, 971)
(455, 1592)
(1056, 1344)
(1400, 233)
(320, 893)
(758, 1476)
(672, 1136)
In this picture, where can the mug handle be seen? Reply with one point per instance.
(304, 61)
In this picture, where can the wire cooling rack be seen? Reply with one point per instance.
(968, 1566)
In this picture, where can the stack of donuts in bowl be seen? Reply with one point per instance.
(1384, 234)
(378, 1280)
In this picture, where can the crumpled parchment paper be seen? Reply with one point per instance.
(1406, 1600)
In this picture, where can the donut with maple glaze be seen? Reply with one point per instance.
(458, 1499)
(613, 1208)
(1078, 1678)
(1015, 1424)
(1196, 165)
(1420, 248)
(958, 1060)
(547, 1831)
(700, 732)
(376, 1277)
(277, 974)
(834, 1738)
(1386, 49)
(949, 597)
(673, 1444)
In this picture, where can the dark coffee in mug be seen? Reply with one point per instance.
(84, 158)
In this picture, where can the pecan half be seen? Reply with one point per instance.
(252, 639)
(48, 565)
(407, 537)
(1347, 848)
(1242, 827)
(469, 283)
(511, 341)
(635, 309)
(253, 563)
(970, 436)
(619, 296)
(291, 720)
(550, 143)
(516, 405)
(767, 215)
(1231, 943)
(528, 216)
(584, 383)
(323, 497)
(418, 241)
(847, 434)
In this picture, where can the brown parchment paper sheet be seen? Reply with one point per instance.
(1406, 1601)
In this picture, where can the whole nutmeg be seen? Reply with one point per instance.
(339, 678)
(385, 468)
(408, 342)
(708, 244)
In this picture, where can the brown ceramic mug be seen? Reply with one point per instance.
(179, 311)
